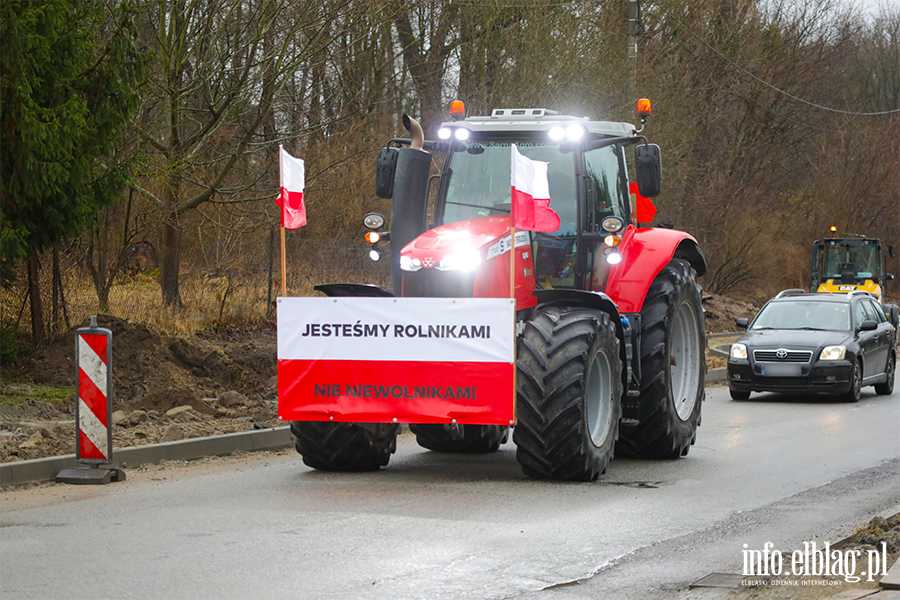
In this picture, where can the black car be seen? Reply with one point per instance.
(814, 342)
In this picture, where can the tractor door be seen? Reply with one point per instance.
(606, 194)
(814, 281)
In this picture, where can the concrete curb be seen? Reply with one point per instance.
(46, 469)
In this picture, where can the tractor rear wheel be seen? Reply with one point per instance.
(673, 367)
(569, 394)
(330, 446)
(475, 438)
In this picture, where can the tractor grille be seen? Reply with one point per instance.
(431, 283)
(791, 356)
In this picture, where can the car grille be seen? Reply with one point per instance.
(793, 356)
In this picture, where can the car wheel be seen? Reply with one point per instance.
(738, 395)
(888, 386)
(852, 395)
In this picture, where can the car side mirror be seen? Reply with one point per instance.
(868, 325)
(743, 323)
(648, 169)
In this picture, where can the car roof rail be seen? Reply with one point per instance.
(791, 292)
(851, 293)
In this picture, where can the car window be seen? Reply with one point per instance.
(875, 311)
(803, 315)
(861, 313)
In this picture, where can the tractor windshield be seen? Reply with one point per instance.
(478, 181)
(851, 262)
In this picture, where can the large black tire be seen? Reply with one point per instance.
(884, 389)
(892, 312)
(673, 367)
(329, 446)
(852, 395)
(569, 394)
(475, 438)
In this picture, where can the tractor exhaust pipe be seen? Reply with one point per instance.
(410, 196)
(416, 133)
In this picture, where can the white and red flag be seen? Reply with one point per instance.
(293, 179)
(531, 195)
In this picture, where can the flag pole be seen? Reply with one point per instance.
(281, 216)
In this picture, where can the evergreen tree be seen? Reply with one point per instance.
(69, 73)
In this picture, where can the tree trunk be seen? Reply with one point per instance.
(34, 292)
(171, 262)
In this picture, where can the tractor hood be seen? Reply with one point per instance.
(459, 239)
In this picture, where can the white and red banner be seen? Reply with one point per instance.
(94, 439)
(293, 180)
(531, 195)
(406, 360)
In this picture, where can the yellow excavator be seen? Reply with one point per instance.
(841, 265)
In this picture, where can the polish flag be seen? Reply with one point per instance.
(531, 195)
(293, 175)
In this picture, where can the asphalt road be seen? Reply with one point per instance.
(774, 468)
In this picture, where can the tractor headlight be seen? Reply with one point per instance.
(408, 263)
(463, 260)
(375, 254)
(613, 258)
(739, 351)
(833, 353)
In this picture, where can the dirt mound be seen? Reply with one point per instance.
(721, 313)
(228, 380)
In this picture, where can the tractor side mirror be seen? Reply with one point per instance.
(743, 323)
(892, 252)
(648, 167)
(384, 172)
(888, 277)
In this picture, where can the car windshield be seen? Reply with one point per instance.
(829, 316)
(478, 182)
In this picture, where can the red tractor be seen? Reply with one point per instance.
(610, 346)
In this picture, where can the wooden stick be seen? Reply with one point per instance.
(283, 268)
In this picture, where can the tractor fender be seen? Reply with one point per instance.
(597, 301)
(644, 254)
(353, 289)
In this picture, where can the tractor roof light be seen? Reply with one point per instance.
(445, 133)
(572, 133)
(461, 134)
(643, 111)
(457, 110)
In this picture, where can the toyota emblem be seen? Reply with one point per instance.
(781, 353)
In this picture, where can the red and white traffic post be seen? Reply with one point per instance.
(93, 410)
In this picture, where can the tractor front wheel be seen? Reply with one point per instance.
(673, 367)
(569, 394)
(474, 439)
(330, 446)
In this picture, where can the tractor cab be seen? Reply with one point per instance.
(841, 265)
(588, 189)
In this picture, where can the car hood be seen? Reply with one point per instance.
(793, 338)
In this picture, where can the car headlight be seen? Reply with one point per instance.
(464, 260)
(739, 351)
(833, 353)
(408, 263)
